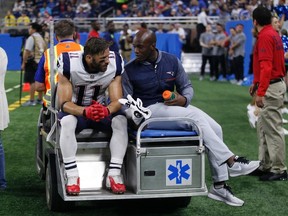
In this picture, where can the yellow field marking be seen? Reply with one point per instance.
(16, 104)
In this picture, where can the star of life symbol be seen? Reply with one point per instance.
(178, 172)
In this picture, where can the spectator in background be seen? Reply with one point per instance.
(231, 39)
(45, 9)
(202, 21)
(166, 10)
(60, 8)
(18, 8)
(83, 7)
(95, 27)
(213, 8)
(224, 15)
(45, 33)
(235, 11)
(108, 35)
(238, 49)
(34, 48)
(206, 41)
(194, 7)
(4, 115)
(81, 13)
(95, 8)
(69, 14)
(119, 13)
(47, 18)
(125, 43)
(125, 10)
(282, 10)
(30, 8)
(219, 57)
(135, 11)
(177, 29)
(38, 4)
(51, 4)
(160, 28)
(23, 20)
(182, 9)
(9, 19)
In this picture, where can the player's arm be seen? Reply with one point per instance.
(40, 76)
(64, 93)
(26, 54)
(115, 93)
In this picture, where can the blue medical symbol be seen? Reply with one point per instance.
(179, 172)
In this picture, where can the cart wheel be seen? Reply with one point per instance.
(53, 199)
(177, 202)
(39, 160)
(182, 202)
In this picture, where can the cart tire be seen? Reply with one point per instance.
(176, 202)
(53, 199)
(182, 202)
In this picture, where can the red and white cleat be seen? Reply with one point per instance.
(73, 186)
(115, 184)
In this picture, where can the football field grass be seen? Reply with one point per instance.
(225, 102)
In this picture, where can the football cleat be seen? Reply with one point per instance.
(115, 184)
(73, 188)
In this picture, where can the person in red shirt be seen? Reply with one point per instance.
(269, 87)
(94, 31)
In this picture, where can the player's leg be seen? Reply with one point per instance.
(118, 146)
(68, 145)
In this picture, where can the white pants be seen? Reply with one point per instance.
(217, 151)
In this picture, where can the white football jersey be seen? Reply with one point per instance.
(88, 86)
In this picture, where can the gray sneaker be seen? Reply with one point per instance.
(225, 195)
(29, 103)
(38, 101)
(242, 166)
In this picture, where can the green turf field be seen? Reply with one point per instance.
(226, 103)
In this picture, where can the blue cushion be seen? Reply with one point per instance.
(165, 133)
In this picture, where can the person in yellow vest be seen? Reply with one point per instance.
(65, 35)
(23, 20)
(34, 49)
(9, 19)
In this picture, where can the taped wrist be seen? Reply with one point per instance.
(62, 105)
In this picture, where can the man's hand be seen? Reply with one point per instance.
(95, 111)
(103, 111)
(259, 101)
(253, 88)
(179, 100)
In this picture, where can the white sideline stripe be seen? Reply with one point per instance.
(11, 89)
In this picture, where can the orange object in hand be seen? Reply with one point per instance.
(168, 95)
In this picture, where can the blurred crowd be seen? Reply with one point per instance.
(25, 11)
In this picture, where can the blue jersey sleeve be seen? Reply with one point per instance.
(40, 73)
(119, 64)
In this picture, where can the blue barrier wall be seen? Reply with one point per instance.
(12, 45)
